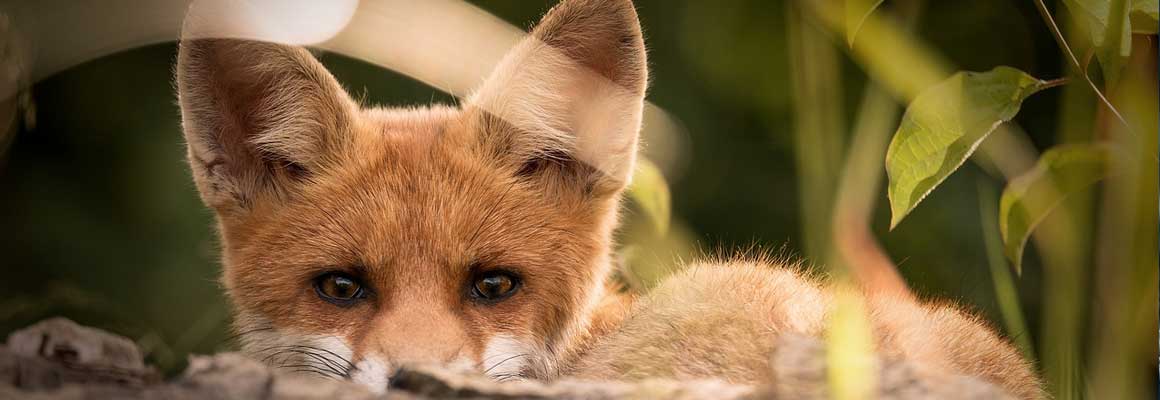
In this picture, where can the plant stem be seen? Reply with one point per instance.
(1006, 293)
(818, 126)
(1055, 82)
(859, 186)
(1059, 39)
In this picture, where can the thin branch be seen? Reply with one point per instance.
(1059, 39)
(1055, 83)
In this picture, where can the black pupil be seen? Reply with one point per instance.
(494, 286)
(340, 287)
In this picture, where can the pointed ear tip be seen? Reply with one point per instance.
(618, 12)
(197, 51)
(237, 47)
(199, 43)
(623, 9)
(611, 6)
(605, 34)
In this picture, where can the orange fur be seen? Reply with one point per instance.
(526, 177)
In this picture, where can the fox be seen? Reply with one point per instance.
(357, 240)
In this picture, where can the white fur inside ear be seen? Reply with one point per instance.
(563, 107)
(505, 358)
(372, 372)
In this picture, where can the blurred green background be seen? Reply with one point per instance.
(102, 222)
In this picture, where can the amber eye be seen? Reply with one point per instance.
(339, 288)
(494, 286)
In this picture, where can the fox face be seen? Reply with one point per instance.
(360, 239)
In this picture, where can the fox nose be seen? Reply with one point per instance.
(379, 375)
(399, 377)
(415, 334)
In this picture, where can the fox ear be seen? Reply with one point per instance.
(258, 118)
(571, 92)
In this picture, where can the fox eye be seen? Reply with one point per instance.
(494, 286)
(339, 289)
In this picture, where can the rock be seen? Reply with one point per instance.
(60, 360)
(437, 383)
(227, 376)
(57, 351)
(234, 376)
(63, 340)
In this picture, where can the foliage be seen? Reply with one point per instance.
(944, 125)
(856, 13)
(850, 352)
(651, 193)
(1028, 199)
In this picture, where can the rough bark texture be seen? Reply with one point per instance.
(58, 359)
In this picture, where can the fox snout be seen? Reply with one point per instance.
(410, 335)
(413, 336)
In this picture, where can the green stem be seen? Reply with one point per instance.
(1055, 83)
(1006, 293)
(1059, 39)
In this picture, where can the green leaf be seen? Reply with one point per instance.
(1028, 199)
(1144, 15)
(651, 193)
(1106, 21)
(943, 126)
(856, 13)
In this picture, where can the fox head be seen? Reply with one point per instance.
(360, 239)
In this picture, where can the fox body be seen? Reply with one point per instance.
(356, 239)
